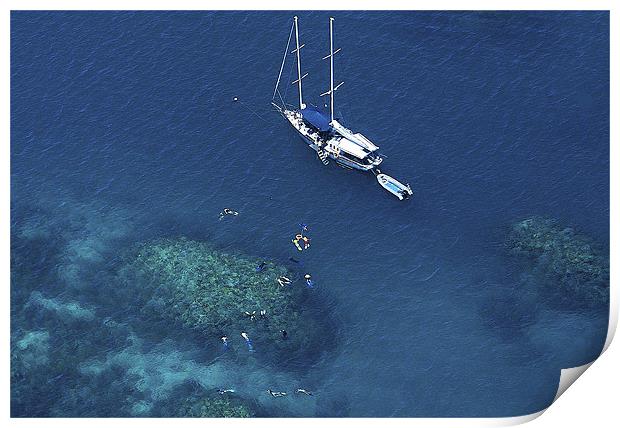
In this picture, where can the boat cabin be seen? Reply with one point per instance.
(350, 149)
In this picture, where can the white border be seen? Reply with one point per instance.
(573, 409)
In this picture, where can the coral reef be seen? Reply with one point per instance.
(153, 372)
(67, 311)
(167, 378)
(30, 363)
(79, 235)
(91, 334)
(563, 259)
(32, 350)
(219, 407)
(211, 291)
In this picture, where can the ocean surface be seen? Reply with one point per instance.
(123, 130)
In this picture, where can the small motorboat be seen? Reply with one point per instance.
(395, 187)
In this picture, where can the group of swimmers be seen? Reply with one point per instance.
(252, 315)
(301, 242)
(284, 280)
(275, 394)
(245, 336)
(284, 394)
(227, 211)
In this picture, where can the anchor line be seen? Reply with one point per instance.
(252, 111)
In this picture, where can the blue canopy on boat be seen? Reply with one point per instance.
(316, 117)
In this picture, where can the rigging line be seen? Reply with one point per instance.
(281, 99)
(283, 61)
(288, 83)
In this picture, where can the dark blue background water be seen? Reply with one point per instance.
(126, 119)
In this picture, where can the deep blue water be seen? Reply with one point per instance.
(123, 130)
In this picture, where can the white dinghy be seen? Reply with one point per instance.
(395, 187)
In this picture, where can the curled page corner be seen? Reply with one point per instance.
(519, 420)
(613, 321)
(569, 376)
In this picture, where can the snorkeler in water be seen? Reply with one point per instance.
(302, 391)
(248, 341)
(301, 242)
(225, 391)
(283, 280)
(225, 342)
(309, 281)
(228, 211)
(251, 315)
(284, 334)
(276, 394)
(261, 267)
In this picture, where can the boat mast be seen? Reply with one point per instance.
(299, 77)
(331, 70)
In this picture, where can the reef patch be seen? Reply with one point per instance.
(567, 263)
(221, 294)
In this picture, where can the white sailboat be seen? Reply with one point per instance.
(322, 132)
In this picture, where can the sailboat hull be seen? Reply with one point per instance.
(312, 139)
